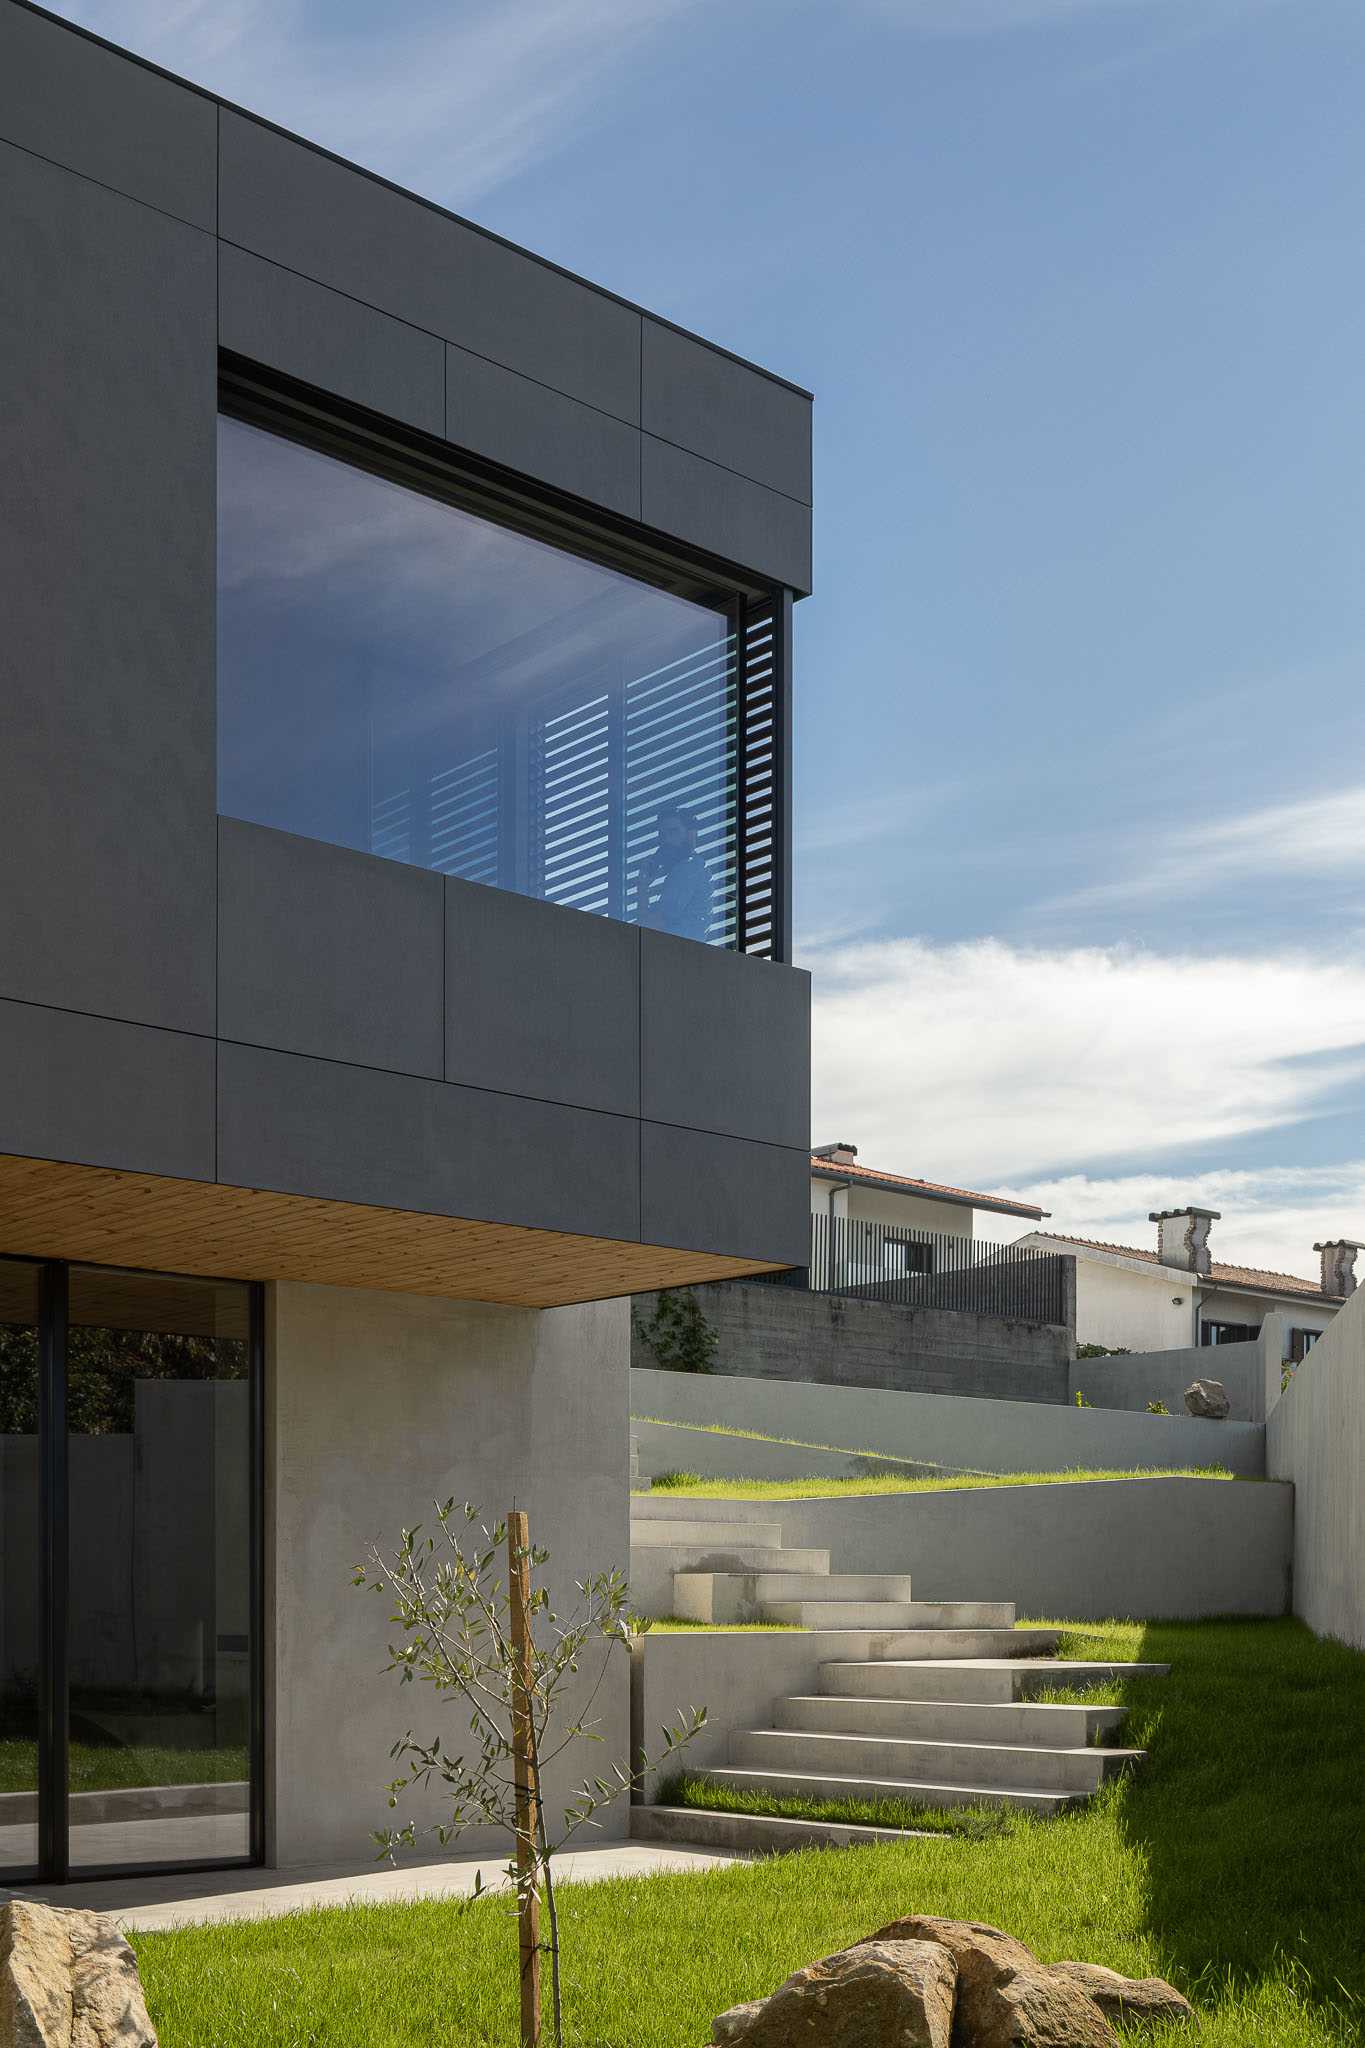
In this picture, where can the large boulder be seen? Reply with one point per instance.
(68, 1980)
(1006, 1998)
(881, 1994)
(1126, 1998)
(1209, 1399)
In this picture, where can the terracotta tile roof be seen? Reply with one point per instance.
(1257, 1277)
(829, 1169)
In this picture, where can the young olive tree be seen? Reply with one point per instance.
(495, 1648)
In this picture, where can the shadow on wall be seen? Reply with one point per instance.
(1315, 1437)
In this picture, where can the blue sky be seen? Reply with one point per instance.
(1081, 796)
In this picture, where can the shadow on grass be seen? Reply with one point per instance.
(1250, 1813)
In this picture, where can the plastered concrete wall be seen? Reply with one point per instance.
(1248, 1371)
(1316, 1438)
(378, 1405)
(936, 1429)
(785, 1333)
(1082, 1550)
(685, 1447)
(1139, 1310)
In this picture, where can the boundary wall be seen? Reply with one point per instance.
(1316, 1438)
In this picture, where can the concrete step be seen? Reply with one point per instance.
(974, 1677)
(760, 1834)
(1006, 1768)
(1015, 1723)
(820, 1610)
(651, 1529)
(739, 1560)
(923, 1792)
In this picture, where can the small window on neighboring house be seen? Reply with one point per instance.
(1301, 1343)
(910, 1255)
(1228, 1333)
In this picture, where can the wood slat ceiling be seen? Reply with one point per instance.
(53, 1210)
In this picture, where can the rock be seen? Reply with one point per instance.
(1005, 1996)
(1208, 1398)
(881, 1994)
(1126, 1998)
(68, 1980)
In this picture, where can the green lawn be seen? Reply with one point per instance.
(101, 1768)
(1234, 1863)
(890, 1482)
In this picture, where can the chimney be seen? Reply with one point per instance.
(842, 1154)
(1339, 1265)
(1182, 1237)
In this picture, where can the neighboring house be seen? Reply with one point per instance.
(1131, 1298)
(379, 600)
(841, 1187)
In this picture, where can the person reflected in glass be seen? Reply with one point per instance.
(675, 888)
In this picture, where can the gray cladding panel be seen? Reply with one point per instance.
(541, 1000)
(511, 419)
(704, 400)
(724, 1195)
(329, 952)
(326, 339)
(698, 501)
(108, 365)
(725, 1041)
(331, 222)
(105, 1094)
(350, 1134)
(107, 117)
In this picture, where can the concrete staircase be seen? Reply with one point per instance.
(937, 1708)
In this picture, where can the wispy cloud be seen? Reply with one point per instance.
(1271, 1217)
(982, 1062)
(987, 17)
(456, 99)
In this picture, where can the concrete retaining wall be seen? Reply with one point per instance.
(1079, 1549)
(935, 1429)
(1316, 1437)
(682, 1447)
(784, 1333)
(1250, 1372)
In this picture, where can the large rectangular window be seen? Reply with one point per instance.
(402, 675)
(131, 1709)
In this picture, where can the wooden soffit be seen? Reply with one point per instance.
(54, 1210)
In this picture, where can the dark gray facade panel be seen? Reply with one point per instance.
(108, 366)
(510, 419)
(105, 1094)
(101, 114)
(724, 1041)
(724, 1195)
(324, 338)
(698, 501)
(541, 1000)
(334, 224)
(704, 400)
(350, 1134)
(325, 951)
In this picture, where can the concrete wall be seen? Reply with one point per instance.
(785, 1333)
(215, 1001)
(1250, 1373)
(1080, 1549)
(1138, 1310)
(378, 1405)
(986, 1436)
(1316, 1438)
(684, 1447)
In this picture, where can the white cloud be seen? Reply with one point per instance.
(456, 100)
(983, 1062)
(986, 17)
(1314, 835)
(1270, 1217)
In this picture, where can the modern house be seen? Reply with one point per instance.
(394, 931)
(1137, 1299)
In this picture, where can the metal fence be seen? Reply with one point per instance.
(930, 1269)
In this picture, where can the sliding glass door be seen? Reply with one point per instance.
(129, 1630)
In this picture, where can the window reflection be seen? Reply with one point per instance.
(20, 1590)
(407, 678)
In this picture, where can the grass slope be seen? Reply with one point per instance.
(1234, 1863)
(885, 1482)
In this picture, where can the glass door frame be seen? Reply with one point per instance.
(54, 1864)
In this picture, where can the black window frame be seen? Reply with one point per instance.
(759, 610)
(54, 1865)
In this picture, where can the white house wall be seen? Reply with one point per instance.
(1135, 1311)
(907, 1212)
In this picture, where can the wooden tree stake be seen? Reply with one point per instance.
(524, 1774)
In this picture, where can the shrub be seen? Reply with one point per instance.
(677, 1333)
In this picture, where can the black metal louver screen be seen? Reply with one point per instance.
(760, 849)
